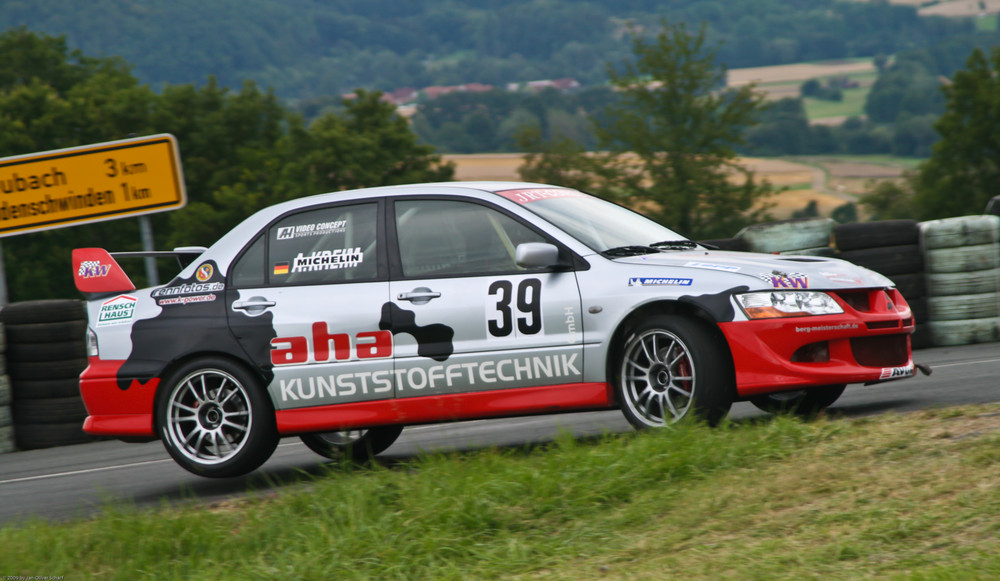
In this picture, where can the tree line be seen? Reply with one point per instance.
(666, 145)
(241, 150)
(307, 49)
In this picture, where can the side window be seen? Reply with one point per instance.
(327, 245)
(443, 237)
(249, 271)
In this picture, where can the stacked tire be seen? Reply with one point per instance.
(890, 248)
(963, 278)
(809, 236)
(46, 351)
(6, 419)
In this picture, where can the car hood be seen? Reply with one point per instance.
(760, 270)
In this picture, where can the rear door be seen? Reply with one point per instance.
(306, 300)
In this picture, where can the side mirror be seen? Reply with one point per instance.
(536, 255)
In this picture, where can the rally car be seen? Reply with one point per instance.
(341, 318)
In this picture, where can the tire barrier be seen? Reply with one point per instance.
(788, 236)
(962, 257)
(45, 353)
(891, 248)
(737, 244)
(6, 417)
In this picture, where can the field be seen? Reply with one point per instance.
(829, 181)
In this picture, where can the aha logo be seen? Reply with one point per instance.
(365, 345)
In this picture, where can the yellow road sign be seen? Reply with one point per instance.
(104, 181)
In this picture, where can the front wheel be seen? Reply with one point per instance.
(354, 445)
(215, 420)
(801, 402)
(672, 368)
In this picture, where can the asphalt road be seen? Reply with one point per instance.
(77, 481)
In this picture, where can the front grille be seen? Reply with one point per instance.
(883, 325)
(882, 351)
(857, 300)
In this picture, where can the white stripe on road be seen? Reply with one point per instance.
(936, 365)
(132, 465)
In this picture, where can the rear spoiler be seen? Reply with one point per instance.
(96, 272)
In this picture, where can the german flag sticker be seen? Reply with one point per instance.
(281, 268)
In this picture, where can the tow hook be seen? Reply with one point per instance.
(924, 368)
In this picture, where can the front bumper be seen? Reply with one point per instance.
(869, 342)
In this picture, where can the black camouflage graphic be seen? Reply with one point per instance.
(433, 341)
(193, 320)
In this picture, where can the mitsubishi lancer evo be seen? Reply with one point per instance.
(343, 317)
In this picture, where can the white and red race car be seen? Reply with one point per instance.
(343, 317)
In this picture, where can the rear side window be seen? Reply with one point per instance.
(327, 245)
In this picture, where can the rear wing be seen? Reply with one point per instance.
(96, 272)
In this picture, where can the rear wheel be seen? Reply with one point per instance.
(215, 420)
(672, 368)
(801, 402)
(354, 445)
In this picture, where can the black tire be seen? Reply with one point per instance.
(43, 311)
(46, 388)
(215, 419)
(960, 231)
(35, 370)
(35, 436)
(56, 410)
(47, 332)
(963, 283)
(962, 258)
(6, 393)
(911, 286)
(888, 260)
(858, 235)
(958, 307)
(788, 234)
(354, 445)
(801, 402)
(47, 351)
(670, 368)
(6, 416)
(7, 440)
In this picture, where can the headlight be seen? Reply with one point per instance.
(772, 304)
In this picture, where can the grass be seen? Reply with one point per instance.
(913, 496)
(853, 105)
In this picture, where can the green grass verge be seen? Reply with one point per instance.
(897, 497)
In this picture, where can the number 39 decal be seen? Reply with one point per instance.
(528, 303)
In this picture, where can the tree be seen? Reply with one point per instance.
(241, 150)
(669, 145)
(963, 171)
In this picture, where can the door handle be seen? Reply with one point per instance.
(254, 305)
(418, 296)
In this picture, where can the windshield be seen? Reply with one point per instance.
(599, 224)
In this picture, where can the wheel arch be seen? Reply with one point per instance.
(176, 364)
(688, 310)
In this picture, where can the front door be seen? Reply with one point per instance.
(465, 317)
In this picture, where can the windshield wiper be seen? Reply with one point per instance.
(620, 251)
(675, 245)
